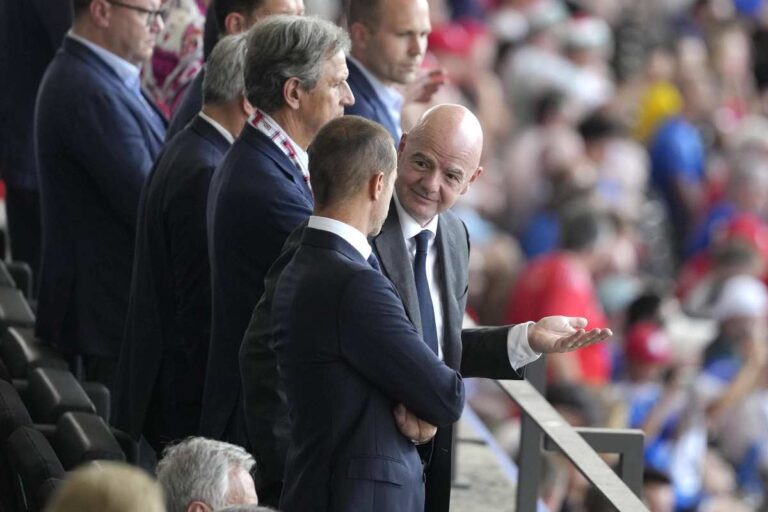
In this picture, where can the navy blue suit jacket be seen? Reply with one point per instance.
(162, 362)
(30, 33)
(95, 144)
(257, 197)
(367, 102)
(189, 107)
(347, 355)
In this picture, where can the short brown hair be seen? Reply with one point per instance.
(345, 154)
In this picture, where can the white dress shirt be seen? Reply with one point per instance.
(351, 235)
(217, 126)
(518, 349)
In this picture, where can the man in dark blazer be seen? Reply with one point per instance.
(161, 372)
(389, 40)
(30, 33)
(260, 192)
(348, 355)
(427, 186)
(97, 136)
(236, 16)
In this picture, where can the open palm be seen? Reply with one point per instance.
(563, 334)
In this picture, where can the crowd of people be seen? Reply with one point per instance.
(177, 171)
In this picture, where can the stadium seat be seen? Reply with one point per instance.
(52, 392)
(32, 460)
(82, 437)
(22, 352)
(14, 309)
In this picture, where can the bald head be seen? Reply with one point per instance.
(438, 160)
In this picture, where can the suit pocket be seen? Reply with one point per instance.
(378, 469)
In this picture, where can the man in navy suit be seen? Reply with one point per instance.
(348, 355)
(30, 33)
(296, 79)
(162, 362)
(437, 162)
(389, 40)
(236, 16)
(97, 136)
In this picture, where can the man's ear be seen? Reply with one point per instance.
(472, 179)
(376, 185)
(198, 506)
(401, 144)
(247, 107)
(358, 34)
(100, 13)
(234, 23)
(292, 92)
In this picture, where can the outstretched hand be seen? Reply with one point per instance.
(563, 334)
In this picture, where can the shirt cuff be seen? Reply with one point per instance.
(518, 349)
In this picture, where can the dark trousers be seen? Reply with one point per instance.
(22, 207)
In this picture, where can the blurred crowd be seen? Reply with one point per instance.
(626, 181)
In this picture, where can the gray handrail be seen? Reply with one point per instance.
(541, 419)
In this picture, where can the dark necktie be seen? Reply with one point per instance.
(374, 262)
(429, 331)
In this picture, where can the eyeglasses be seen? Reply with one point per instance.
(152, 16)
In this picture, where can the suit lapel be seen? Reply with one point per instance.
(260, 141)
(392, 253)
(364, 87)
(449, 266)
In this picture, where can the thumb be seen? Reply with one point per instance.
(578, 322)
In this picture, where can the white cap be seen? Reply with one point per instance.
(741, 296)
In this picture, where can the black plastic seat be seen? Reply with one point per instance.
(21, 352)
(14, 309)
(32, 460)
(99, 395)
(13, 412)
(52, 392)
(82, 437)
(21, 274)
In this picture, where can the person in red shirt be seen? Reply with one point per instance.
(562, 283)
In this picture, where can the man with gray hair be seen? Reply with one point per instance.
(295, 78)
(162, 362)
(202, 475)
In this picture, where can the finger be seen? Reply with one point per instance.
(577, 322)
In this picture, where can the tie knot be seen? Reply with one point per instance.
(422, 240)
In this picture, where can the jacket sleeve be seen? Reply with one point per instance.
(379, 341)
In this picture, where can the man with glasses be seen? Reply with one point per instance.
(97, 136)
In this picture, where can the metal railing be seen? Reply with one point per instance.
(543, 428)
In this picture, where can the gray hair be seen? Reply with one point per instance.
(197, 469)
(224, 79)
(283, 47)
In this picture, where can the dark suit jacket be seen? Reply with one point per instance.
(347, 355)
(95, 143)
(257, 197)
(480, 352)
(367, 102)
(162, 362)
(189, 107)
(30, 33)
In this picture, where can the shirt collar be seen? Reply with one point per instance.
(410, 227)
(388, 95)
(223, 131)
(300, 153)
(128, 72)
(351, 235)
